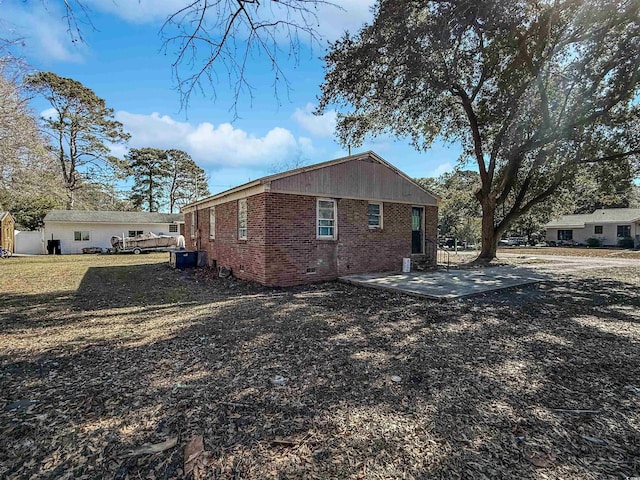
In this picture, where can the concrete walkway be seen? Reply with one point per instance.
(443, 285)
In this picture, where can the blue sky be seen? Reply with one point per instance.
(122, 61)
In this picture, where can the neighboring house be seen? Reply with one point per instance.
(77, 229)
(607, 225)
(7, 227)
(351, 215)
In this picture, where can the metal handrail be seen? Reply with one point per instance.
(444, 258)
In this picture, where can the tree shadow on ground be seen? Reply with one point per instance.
(478, 382)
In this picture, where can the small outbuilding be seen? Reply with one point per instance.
(73, 230)
(7, 229)
(356, 214)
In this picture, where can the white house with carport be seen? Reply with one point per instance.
(607, 225)
(77, 229)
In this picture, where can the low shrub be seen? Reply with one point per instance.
(626, 242)
(594, 242)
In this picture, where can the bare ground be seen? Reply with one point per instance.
(108, 355)
(573, 251)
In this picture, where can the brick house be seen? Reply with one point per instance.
(356, 214)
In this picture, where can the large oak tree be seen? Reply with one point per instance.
(533, 89)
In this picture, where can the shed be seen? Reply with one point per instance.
(7, 228)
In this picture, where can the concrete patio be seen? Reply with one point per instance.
(449, 285)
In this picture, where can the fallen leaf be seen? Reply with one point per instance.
(192, 452)
(155, 448)
(543, 460)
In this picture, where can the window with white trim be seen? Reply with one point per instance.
(81, 236)
(375, 215)
(135, 233)
(326, 219)
(192, 227)
(242, 219)
(173, 228)
(212, 222)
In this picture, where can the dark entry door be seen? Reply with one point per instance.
(416, 230)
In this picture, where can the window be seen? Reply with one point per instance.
(375, 215)
(135, 233)
(81, 236)
(326, 219)
(242, 219)
(565, 234)
(624, 231)
(192, 227)
(173, 228)
(212, 222)
(597, 229)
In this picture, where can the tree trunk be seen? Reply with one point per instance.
(70, 199)
(489, 233)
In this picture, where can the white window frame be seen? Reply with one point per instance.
(173, 228)
(243, 232)
(379, 226)
(82, 236)
(212, 223)
(335, 219)
(192, 226)
(135, 233)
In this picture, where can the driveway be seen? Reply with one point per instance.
(567, 264)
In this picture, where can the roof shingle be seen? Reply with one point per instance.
(94, 216)
(602, 215)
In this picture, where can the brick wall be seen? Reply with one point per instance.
(245, 258)
(282, 243)
(292, 246)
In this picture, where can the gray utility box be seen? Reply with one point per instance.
(202, 258)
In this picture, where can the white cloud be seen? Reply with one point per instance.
(442, 168)
(332, 22)
(49, 113)
(41, 29)
(320, 125)
(213, 146)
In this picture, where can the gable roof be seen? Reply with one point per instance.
(602, 215)
(103, 216)
(267, 180)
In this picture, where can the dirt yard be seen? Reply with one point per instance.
(119, 367)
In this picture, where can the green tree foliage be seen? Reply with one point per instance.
(534, 90)
(151, 170)
(81, 128)
(458, 210)
(187, 181)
